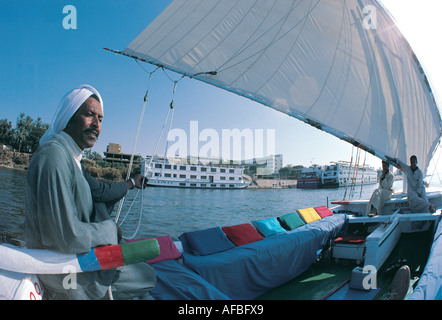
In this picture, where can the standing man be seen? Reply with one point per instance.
(60, 210)
(417, 196)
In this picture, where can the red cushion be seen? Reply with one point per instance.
(242, 234)
(350, 239)
(323, 211)
(109, 256)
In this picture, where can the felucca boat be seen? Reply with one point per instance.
(345, 68)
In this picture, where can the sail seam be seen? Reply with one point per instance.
(333, 62)
(188, 32)
(159, 28)
(275, 39)
(266, 32)
(262, 51)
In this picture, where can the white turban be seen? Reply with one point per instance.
(69, 104)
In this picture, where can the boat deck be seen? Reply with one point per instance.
(329, 280)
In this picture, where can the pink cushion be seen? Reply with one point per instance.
(323, 211)
(168, 250)
(242, 234)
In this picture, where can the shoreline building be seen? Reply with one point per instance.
(113, 154)
(269, 165)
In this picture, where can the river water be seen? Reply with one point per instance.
(172, 211)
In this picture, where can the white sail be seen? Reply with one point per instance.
(341, 66)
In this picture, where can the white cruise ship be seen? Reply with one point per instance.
(182, 175)
(341, 174)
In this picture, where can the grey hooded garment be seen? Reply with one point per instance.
(59, 206)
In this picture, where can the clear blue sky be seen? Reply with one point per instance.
(41, 61)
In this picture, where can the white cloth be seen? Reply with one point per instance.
(69, 104)
(417, 196)
(381, 194)
(72, 147)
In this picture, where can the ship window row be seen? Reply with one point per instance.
(183, 176)
(192, 168)
(204, 185)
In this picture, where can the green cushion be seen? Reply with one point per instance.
(139, 251)
(291, 221)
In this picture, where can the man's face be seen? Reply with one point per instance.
(413, 163)
(85, 125)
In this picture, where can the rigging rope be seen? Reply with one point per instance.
(143, 109)
(435, 166)
(363, 174)
(348, 176)
(355, 173)
(129, 170)
(171, 108)
(169, 113)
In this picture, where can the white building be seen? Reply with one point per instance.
(269, 164)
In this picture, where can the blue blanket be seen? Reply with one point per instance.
(176, 282)
(249, 270)
(430, 284)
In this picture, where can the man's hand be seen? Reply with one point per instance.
(140, 182)
(119, 233)
(390, 159)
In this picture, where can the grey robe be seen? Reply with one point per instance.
(58, 211)
(105, 196)
(133, 280)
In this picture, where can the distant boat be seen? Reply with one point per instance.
(310, 178)
(162, 173)
(322, 63)
(342, 174)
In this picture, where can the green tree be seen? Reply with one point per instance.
(6, 131)
(290, 171)
(22, 130)
(285, 171)
(37, 129)
(26, 134)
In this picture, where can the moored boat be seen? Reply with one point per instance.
(310, 178)
(343, 174)
(179, 174)
(343, 85)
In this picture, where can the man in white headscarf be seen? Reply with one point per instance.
(383, 192)
(64, 208)
(69, 104)
(417, 197)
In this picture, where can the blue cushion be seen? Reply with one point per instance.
(204, 242)
(268, 227)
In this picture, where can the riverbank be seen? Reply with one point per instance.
(272, 184)
(14, 160)
(20, 161)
